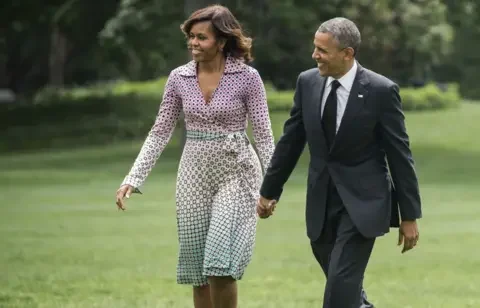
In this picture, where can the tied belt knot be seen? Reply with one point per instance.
(236, 143)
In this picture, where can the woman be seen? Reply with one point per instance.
(219, 174)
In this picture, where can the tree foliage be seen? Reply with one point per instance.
(67, 42)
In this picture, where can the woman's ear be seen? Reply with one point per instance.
(221, 43)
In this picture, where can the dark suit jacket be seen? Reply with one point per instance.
(372, 133)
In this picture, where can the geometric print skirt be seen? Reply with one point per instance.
(217, 189)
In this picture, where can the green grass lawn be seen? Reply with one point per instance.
(64, 244)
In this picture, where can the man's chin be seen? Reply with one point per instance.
(323, 73)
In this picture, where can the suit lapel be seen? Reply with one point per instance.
(318, 88)
(355, 103)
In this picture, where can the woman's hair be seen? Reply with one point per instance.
(225, 26)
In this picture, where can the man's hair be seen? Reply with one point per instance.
(344, 31)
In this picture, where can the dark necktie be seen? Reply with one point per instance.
(329, 117)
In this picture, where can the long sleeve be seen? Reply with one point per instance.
(288, 150)
(400, 161)
(257, 108)
(159, 135)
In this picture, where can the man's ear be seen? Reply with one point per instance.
(349, 53)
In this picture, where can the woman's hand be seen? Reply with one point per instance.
(124, 191)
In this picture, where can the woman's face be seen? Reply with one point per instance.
(202, 42)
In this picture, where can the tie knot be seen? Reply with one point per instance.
(335, 85)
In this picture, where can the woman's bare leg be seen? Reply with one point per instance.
(223, 292)
(201, 297)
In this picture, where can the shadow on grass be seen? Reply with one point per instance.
(435, 164)
(93, 157)
(441, 165)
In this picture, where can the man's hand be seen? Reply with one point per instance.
(408, 235)
(265, 207)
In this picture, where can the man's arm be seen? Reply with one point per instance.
(396, 144)
(287, 151)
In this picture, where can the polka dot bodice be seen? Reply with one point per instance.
(239, 96)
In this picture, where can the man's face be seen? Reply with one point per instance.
(331, 59)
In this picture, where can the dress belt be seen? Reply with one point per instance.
(200, 135)
(236, 143)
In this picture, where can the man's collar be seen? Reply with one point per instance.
(346, 80)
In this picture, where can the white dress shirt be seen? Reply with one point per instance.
(343, 91)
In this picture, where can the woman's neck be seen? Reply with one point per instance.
(214, 66)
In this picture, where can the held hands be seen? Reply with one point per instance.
(408, 235)
(265, 207)
(123, 192)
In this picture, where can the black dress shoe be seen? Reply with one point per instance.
(364, 303)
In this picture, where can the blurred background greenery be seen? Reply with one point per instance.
(95, 70)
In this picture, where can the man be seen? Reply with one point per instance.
(353, 122)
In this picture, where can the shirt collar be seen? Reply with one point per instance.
(346, 80)
(232, 65)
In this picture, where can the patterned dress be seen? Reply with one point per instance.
(220, 174)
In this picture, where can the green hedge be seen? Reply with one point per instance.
(71, 121)
(430, 97)
(122, 111)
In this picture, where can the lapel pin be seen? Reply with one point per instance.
(360, 95)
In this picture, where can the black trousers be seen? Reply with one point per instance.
(343, 254)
